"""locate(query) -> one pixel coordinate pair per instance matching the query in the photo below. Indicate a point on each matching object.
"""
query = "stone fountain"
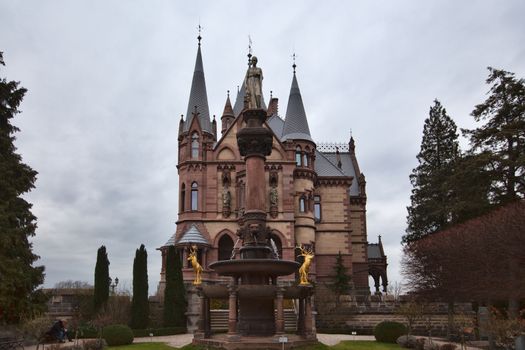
(256, 312)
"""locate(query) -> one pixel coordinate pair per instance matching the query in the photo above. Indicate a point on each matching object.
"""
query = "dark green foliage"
(117, 334)
(174, 294)
(500, 143)
(101, 293)
(341, 284)
(19, 296)
(433, 194)
(139, 303)
(388, 331)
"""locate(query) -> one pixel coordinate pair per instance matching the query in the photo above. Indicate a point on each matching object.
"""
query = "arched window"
(298, 156)
(194, 196)
(194, 145)
(317, 208)
(225, 247)
(305, 156)
(183, 197)
(302, 204)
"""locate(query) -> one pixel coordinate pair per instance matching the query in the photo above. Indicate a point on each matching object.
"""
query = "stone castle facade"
(316, 193)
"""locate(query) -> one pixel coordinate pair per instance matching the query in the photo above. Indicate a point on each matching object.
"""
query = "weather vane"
(249, 50)
(199, 28)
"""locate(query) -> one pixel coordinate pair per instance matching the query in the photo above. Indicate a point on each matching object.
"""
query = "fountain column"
(232, 315)
(279, 322)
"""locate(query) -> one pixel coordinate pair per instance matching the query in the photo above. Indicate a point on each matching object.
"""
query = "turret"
(227, 116)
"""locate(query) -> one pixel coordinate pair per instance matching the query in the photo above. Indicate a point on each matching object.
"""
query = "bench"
(8, 343)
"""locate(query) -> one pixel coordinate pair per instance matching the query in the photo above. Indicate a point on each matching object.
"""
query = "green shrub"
(117, 334)
(388, 332)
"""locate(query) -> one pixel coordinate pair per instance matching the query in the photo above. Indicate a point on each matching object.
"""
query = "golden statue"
(196, 266)
(305, 267)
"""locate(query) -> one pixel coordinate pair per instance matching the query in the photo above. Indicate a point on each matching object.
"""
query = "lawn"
(344, 345)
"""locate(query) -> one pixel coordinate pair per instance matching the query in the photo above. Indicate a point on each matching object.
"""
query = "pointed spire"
(228, 110)
(227, 116)
(198, 101)
(351, 145)
(295, 123)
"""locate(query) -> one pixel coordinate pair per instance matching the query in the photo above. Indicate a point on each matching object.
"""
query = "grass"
(344, 345)
(364, 345)
(142, 346)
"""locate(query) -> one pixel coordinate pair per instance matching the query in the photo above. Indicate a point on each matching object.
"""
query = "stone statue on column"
(253, 83)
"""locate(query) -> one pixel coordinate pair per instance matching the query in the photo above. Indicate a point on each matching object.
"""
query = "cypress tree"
(101, 292)
(139, 302)
(432, 196)
(500, 143)
(174, 293)
(19, 279)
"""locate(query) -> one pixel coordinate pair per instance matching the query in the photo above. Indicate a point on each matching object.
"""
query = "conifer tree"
(101, 292)
(432, 196)
(500, 143)
(174, 293)
(139, 303)
(341, 279)
(19, 279)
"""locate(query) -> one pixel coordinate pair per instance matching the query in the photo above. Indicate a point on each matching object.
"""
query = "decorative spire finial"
(294, 65)
(199, 37)
(271, 94)
(228, 91)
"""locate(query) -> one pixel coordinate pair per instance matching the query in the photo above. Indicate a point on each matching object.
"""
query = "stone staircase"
(219, 320)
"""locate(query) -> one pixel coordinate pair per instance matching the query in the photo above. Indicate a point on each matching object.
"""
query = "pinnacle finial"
(228, 91)
(199, 38)
(271, 94)
(294, 65)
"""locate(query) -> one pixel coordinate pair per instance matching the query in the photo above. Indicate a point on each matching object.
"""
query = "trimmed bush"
(388, 332)
(408, 341)
(117, 334)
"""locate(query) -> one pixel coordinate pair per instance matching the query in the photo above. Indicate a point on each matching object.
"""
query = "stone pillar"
(308, 319)
(232, 315)
(207, 319)
(300, 319)
(255, 143)
(279, 322)
(201, 323)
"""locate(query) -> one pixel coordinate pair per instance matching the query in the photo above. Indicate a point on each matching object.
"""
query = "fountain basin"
(266, 267)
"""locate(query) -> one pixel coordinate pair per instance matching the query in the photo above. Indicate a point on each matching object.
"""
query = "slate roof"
(198, 97)
(374, 251)
(347, 167)
(192, 235)
(324, 167)
(295, 122)
(276, 124)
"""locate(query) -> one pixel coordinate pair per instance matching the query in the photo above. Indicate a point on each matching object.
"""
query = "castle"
(316, 192)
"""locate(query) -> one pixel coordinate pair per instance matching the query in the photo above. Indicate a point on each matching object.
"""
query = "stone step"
(219, 320)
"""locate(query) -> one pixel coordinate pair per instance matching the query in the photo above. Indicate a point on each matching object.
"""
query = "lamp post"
(113, 285)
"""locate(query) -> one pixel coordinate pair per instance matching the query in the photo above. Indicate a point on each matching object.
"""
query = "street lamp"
(113, 285)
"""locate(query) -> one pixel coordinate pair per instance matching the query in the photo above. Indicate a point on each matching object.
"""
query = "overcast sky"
(108, 81)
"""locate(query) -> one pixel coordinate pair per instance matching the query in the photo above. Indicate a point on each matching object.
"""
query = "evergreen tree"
(19, 279)
(341, 284)
(500, 142)
(174, 293)
(431, 206)
(139, 303)
(101, 292)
